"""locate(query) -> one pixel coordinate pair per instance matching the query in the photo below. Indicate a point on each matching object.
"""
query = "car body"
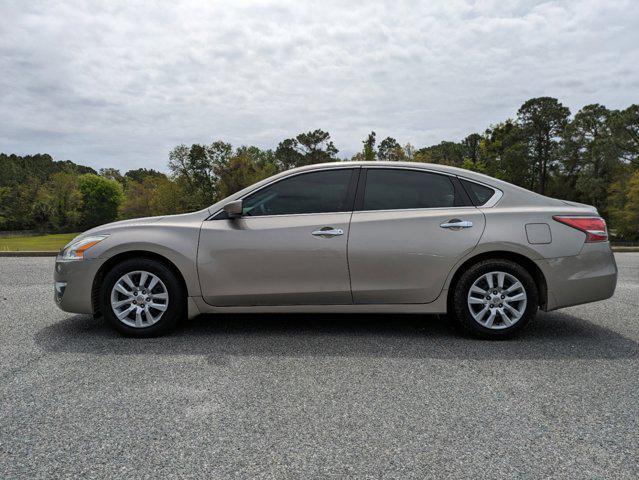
(389, 237)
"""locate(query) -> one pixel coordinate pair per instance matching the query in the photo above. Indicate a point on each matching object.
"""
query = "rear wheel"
(142, 298)
(494, 299)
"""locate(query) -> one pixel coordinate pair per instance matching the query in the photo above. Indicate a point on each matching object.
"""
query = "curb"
(625, 249)
(27, 253)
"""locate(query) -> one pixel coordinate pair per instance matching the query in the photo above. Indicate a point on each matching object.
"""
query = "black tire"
(461, 314)
(176, 307)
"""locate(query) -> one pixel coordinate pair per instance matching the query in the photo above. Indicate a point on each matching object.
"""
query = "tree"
(170, 197)
(624, 125)
(503, 152)
(249, 165)
(195, 168)
(287, 154)
(139, 174)
(306, 149)
(390, 150)
(101, 198)
(445, 153)
(64, 200)
(471, 147)
(624, 205)
(542, 121)
(112, 174)
(139, 198)
(409, 152)
(369, 148)
(591, 158)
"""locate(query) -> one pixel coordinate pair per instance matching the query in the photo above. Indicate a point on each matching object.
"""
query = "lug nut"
(501, 305)
(134, 302)
(502, 297)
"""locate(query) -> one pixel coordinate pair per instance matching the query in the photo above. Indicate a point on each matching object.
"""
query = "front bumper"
(74, 283)
(587, 277)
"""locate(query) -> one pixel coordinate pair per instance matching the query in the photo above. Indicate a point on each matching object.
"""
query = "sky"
(118, 84)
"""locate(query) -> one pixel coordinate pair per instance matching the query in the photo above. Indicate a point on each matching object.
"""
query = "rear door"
(408, 230)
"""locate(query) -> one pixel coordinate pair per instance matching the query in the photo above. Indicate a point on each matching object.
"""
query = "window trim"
(361, 190)
(492, 201)
(359, 187)
(350, 194)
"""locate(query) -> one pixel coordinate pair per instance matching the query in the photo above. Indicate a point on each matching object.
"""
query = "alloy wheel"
(497, 300)
(139, 299)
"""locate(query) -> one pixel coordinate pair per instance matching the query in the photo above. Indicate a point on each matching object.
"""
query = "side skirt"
(197, 305)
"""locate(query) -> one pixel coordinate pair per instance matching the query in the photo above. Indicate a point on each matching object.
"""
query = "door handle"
(328, 232)
(457, 224)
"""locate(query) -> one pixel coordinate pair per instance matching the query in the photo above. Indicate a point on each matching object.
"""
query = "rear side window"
(388, 189)
(479, 194)
(316, 192)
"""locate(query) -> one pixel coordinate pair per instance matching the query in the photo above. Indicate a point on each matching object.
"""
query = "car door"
(408, 229)
(287, 248)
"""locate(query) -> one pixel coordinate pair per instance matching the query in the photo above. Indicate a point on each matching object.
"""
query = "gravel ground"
(310, 396)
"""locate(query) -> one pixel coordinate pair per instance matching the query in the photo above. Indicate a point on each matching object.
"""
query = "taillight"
(593, 227)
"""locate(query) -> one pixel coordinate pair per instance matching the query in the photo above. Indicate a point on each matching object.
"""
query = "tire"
(510, 311)
(150, 313)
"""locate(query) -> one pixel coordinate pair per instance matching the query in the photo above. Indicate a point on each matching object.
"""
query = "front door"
(409, 230)
(288, 248)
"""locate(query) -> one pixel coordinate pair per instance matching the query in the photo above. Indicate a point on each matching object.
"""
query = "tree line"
(590, 157)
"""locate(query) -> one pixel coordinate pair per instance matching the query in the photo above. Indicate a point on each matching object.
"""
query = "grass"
(48, 243)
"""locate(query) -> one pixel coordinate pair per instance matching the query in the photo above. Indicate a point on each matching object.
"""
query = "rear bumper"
(587, 277)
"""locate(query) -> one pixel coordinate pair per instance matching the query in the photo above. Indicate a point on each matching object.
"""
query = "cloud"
(120, 83)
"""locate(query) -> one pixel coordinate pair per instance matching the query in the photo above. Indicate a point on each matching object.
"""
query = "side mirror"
(233, 209)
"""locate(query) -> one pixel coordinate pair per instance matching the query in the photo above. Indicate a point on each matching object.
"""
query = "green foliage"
(445, 153)
(139, 174)
(58, 204)
(390, 150)
(624, 205)
(101, 198)
(542, 121)
(112, 174)
(305, 149)
(247, 166)
(591, 158)
(369, 148)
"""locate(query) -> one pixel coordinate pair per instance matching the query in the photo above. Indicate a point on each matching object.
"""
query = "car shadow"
(550, 336)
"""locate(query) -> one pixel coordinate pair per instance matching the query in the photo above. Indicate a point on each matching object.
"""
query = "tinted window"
(315, 192)
(400, 189)
(479, 194)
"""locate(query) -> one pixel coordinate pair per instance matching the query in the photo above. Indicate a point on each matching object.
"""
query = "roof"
(420, 165)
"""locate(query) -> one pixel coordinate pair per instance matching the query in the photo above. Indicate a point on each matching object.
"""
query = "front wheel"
(142, 298)
(495, 299)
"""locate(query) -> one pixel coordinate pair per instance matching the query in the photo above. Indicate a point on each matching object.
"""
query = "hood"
(122, 223)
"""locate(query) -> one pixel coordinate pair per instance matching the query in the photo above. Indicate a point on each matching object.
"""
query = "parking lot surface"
(316, 396)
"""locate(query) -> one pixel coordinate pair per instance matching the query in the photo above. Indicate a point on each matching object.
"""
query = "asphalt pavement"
(316, 396)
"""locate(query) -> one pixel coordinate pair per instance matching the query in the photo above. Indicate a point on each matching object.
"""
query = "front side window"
(388, 189)
(315, 192)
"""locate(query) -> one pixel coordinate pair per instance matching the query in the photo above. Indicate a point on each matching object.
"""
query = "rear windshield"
(479, 194)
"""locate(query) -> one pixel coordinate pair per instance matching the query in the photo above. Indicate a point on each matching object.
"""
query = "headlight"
(75, 250)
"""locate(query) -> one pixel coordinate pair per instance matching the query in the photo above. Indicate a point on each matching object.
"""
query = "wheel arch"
(120, 257)
(524, 261)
